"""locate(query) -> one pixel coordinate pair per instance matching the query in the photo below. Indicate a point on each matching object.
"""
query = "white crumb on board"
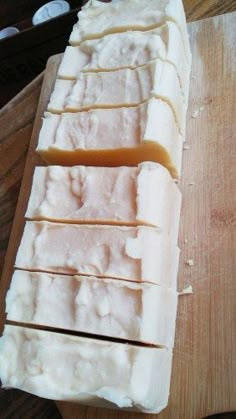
(190, 262)
(191, 183)
(197, 111)
(185, 240)
(187, 290)
(186, 147)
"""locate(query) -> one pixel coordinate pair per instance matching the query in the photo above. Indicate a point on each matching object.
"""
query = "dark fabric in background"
(24, 56)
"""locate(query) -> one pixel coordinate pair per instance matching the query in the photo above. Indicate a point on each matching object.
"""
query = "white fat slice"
(140, 254)
(107, 195)
(129, 49)
(113, 137)
(89, 371)
(97, 19)
(107, 307)
(120, 88)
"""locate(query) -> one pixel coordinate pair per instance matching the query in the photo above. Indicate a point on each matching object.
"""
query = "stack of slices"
(94, 292)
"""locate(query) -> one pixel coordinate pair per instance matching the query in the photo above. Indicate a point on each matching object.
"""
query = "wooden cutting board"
(204, 366)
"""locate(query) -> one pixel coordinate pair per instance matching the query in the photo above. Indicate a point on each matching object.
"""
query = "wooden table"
(200, 9)
(16, 122)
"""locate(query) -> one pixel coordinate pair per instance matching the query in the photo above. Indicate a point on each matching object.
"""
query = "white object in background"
(50, 10)
(7, 32)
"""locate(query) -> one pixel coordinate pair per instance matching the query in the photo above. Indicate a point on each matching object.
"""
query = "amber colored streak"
(91, 222)
(111, 158)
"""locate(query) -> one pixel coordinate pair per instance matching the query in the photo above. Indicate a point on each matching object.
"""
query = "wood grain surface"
(204, 370)
(16, 124)
(199, 9)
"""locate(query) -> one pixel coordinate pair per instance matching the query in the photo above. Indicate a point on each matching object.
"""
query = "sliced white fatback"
(140, 254)
(97, 19)
(125, 87)
(108, 307)
(113, 137)
(129, 49)
(107, 195)
(96, 372)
